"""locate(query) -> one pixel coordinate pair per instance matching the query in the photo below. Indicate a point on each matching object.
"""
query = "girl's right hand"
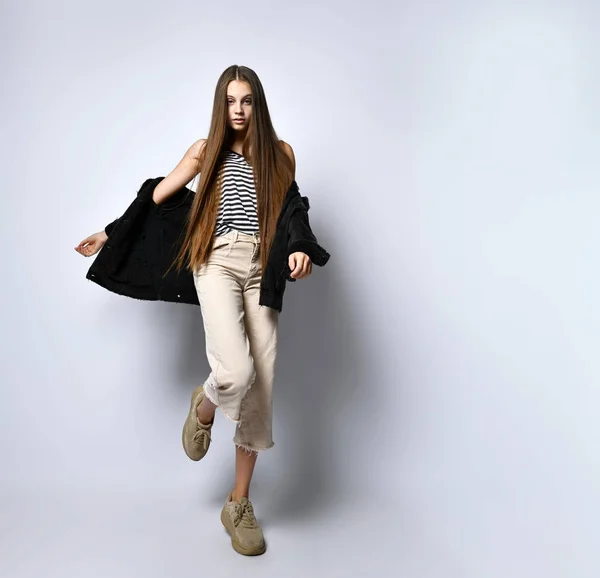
(92, 244)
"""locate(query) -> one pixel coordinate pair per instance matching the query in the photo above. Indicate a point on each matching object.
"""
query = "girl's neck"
(237, 146)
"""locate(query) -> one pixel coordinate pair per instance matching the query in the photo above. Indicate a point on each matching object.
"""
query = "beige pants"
(241, 337)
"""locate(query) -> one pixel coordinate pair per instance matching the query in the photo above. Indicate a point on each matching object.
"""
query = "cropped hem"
(248, 448)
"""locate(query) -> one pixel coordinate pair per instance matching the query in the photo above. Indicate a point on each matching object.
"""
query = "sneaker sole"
(191, 420)
(239, 548)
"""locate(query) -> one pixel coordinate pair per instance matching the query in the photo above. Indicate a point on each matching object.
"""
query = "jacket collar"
(293, 199)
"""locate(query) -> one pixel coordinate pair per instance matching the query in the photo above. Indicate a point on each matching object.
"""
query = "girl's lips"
(238, 120)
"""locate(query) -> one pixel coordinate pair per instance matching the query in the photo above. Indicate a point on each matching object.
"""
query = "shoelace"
(202, 437)
(244, 515)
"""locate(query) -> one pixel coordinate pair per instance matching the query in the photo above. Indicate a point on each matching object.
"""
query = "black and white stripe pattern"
(237, 206)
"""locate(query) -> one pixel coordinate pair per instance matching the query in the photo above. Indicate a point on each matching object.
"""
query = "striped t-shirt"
(237, 205)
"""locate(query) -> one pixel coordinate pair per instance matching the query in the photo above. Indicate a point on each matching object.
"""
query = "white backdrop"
(437, 391)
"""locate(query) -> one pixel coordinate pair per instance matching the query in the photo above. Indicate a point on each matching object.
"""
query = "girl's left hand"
(300, 264)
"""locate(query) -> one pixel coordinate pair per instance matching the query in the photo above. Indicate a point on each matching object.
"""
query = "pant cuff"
(250, 448)
(211, 393)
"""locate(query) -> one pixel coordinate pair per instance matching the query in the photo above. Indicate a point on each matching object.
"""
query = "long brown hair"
(272, 167)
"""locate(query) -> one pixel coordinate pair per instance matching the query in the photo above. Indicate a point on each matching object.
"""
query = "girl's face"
(239, 104)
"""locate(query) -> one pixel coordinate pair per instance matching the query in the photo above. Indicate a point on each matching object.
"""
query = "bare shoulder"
(195, 150)
(193, 154)
(288, 149)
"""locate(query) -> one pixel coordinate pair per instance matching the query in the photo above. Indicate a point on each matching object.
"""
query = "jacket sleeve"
(108, 229)
(302, 238)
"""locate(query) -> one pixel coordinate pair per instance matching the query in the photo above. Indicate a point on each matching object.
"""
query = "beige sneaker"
(239, 521)
(196, 435)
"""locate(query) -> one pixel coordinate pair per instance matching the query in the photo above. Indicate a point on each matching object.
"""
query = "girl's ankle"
(205, 420)
(237, 497)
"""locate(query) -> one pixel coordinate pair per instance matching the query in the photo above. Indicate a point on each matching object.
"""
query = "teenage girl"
(245, 172)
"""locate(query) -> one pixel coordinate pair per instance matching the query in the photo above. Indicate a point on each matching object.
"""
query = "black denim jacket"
(144, 241)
